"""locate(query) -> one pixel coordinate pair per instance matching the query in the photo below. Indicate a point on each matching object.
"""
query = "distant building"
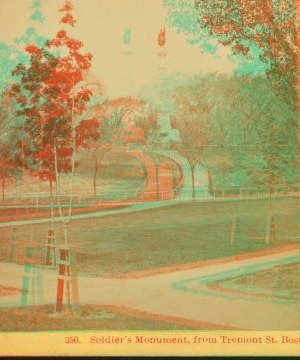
(133, 135)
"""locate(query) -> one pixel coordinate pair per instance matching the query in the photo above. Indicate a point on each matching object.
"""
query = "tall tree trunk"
(73, 162)
(209, 177)
(109, 171)
(270, 197)
(66, 219)
(193, 181)
(95, 176)
(3, 187)
(57, 182)
(17, 195)
(20, 187)
(157, 182)
(51, 193)
(298, 73)
(31, 216)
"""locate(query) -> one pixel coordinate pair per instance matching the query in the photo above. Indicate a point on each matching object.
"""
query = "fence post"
(50, 256)
(32, 278)
(15, 245)
(67, 283)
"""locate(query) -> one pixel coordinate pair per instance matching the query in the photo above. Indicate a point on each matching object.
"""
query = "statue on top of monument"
(162, 37)
(127, 35)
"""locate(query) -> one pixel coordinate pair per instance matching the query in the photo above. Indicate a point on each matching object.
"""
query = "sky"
(100, 26)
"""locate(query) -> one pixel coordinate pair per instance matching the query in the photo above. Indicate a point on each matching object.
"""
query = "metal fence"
(254, 191)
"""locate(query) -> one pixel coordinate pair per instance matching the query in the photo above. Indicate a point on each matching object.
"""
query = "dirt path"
(168, 295)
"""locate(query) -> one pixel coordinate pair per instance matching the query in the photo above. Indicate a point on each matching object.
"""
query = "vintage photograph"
(149, 172)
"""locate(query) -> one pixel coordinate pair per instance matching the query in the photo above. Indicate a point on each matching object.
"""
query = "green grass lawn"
(8, 214)
(280, 282)
(167, 236)
(116, 171)
(113, 165)
(91, 318)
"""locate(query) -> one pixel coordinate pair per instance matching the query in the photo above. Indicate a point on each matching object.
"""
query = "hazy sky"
(100, 26)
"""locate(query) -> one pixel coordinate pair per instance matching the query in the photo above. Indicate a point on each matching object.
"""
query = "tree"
(268, 123)
(256, 29)
(10, 154)
(33, 93)
(239, 110)
(88, 136)
(12, 125)
(101, 128)
(6, 165)
(10, 56)
(190, 126)
(201, 116)
(68, 100)
(89, 128)
(147, 120)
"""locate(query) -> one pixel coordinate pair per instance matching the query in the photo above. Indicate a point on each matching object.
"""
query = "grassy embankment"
(116, 171)
(172, 235)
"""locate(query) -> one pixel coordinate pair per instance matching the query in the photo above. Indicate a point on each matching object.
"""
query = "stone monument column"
(127, 61)
(165, 103)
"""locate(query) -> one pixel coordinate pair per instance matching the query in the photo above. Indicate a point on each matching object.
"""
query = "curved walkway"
(200, 176)
(160, 296)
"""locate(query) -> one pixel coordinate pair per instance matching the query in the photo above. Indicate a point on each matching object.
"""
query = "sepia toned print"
(149, 177)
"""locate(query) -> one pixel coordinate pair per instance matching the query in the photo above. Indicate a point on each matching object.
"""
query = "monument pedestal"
(166, 133)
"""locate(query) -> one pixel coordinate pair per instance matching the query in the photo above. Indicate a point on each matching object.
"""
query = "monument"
(127, 61)
(165, 103)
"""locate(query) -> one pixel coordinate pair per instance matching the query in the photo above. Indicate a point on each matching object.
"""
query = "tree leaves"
(37, 16)
(239, 111)
(245, 26)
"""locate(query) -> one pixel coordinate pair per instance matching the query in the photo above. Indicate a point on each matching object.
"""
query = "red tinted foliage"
(87, 131)
(32, 49)
(68, 19)
(67, 7)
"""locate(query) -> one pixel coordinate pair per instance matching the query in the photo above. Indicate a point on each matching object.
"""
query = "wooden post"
(50, 256)
(67, 284)
(268, 230)
(15, 245)
(272, 229)
(32, 279)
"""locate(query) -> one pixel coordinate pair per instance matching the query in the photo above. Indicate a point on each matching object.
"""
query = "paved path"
(160, 295)
(131, 207)
(200, 176)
